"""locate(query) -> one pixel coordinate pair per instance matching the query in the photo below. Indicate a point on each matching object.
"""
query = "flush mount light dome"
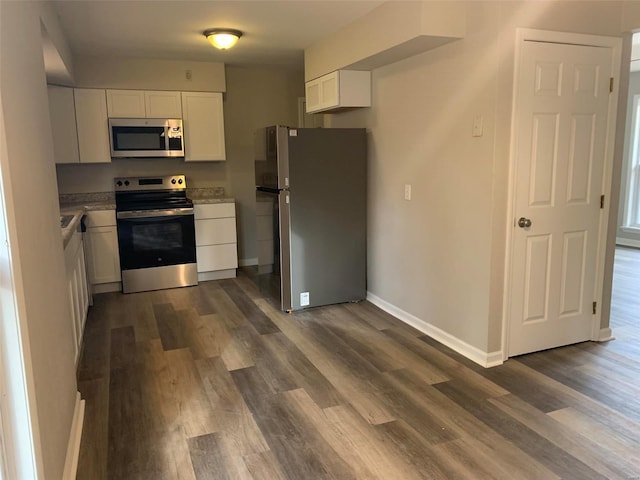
(222, 38)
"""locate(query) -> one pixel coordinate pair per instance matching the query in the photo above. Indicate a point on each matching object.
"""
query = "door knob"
(524, 222)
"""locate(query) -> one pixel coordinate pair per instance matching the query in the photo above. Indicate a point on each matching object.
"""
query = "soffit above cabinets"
(392, 32)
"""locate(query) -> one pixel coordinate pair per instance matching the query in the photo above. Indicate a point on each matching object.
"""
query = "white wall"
(30, 191)
(149, 74)
(440, 256)
(256, 97)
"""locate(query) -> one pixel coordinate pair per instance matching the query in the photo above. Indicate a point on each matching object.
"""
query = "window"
(631, 218)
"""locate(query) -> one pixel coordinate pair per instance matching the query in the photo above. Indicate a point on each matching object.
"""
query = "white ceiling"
(275, 32)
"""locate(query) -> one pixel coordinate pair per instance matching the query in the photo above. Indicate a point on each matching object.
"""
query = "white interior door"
(561, 128)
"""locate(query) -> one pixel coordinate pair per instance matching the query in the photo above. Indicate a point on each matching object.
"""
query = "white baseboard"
(484, 359)
(106, 287)
(217, 275)
(73, 448)
(247, 262)
(606, 334)
(627, 242)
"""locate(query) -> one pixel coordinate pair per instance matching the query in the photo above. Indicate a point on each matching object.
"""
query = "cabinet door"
(330, 90)
(103, 255)
(162, 104)
(203, 123)
(125, 103)
(217, 257)
(312, 95)
(214, 231)
(62, 114)
(92, 125)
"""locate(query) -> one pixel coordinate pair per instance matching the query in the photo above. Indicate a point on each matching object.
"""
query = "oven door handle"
(173, 212)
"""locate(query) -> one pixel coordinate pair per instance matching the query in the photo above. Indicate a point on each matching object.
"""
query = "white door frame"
(522, 35)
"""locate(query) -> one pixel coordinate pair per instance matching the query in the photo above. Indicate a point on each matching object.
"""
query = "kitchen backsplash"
(78, 198)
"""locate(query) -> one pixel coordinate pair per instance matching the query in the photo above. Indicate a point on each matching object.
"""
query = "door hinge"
(595, 304)
(610, 84)
(601, 201)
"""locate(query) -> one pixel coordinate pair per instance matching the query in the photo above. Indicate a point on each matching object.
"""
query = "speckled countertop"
(77, 204)
(208, 195)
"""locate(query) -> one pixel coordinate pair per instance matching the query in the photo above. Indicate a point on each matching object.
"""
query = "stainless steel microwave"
(146, 137)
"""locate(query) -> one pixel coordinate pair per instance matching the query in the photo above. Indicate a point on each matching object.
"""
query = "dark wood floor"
(212, 382)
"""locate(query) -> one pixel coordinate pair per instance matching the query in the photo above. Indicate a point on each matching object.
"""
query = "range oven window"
(157, 237)
(156, 241)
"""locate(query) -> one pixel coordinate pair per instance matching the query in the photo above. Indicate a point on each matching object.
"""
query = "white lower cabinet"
(103, 256)
(216, 240)
(77, 288)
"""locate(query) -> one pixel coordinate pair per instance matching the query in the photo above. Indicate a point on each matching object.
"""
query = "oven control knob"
(180, 181)
(173, 180)
(159, 259)
(119, 183)
(126, 183)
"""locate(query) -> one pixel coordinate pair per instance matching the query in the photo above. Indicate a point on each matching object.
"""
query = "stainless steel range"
(156, 233)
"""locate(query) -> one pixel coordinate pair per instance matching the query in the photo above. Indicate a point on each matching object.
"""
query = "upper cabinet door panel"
(125, 103)
(92, 125)
(62, 114)
(203, 123)
(339, 90)
(163, 104)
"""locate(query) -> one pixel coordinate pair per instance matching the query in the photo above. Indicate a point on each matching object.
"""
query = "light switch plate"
(407, 191)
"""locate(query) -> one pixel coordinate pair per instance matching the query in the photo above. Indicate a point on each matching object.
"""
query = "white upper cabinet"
(159, 104)
(92, 125)
(62, 114)
(125, 103)
(143, 104)
(337, 90)
(203, 123)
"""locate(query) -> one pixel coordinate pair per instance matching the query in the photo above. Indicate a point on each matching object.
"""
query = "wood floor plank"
(207, 458)
(170, 327)
(264, 466)
(450, 367)
(300, 451)
(306, 408)
(304, 373)
(619, 440)
(621, 400)
(92, 460)
(557, 460)
(373, 345)
(214, 381)
(341, 374)
(206, 335)
(578, 446)
(251, 312)
(406, 439)
(94, 361)
(188, 403)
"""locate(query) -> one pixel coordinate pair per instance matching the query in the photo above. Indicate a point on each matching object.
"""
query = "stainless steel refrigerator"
(311, 214)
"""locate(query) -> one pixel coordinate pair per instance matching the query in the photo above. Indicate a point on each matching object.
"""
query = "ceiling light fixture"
(222, 38)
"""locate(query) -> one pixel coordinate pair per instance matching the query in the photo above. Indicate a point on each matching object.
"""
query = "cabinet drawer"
(214, 210)
(214, 231)
(217, 257)
(100, 218)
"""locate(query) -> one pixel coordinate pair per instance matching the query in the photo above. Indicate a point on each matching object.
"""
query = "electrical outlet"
(188, 75)
(304, 299)
(407, 191)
